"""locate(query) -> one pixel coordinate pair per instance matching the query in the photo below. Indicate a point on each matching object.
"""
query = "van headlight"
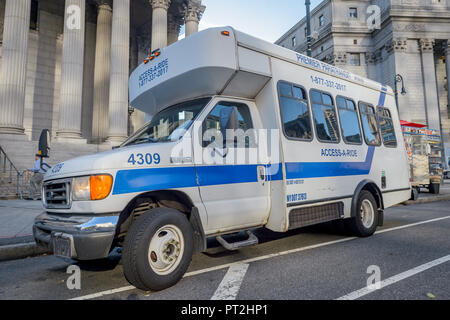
(88, 188)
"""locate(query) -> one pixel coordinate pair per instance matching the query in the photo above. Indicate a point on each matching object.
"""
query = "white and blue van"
(244, 134)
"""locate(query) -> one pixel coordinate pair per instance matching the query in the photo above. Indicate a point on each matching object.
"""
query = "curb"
(428, 200)
(20, 251)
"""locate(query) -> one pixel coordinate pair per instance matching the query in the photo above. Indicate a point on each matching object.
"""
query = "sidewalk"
(16, 220)
(17, 217)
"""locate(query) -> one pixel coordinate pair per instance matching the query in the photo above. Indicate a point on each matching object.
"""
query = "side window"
(294, 111)
(325, 117)
(387, 127)
(228, 116)
(369, 124)
(351, 131)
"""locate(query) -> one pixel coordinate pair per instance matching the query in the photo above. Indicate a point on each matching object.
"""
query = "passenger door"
(232, 174)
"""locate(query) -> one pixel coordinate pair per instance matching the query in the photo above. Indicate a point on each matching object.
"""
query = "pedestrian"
(38, 171)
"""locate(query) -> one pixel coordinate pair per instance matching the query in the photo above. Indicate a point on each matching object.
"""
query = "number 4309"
(148, 158)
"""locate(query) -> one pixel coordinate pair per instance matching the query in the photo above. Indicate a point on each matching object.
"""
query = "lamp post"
(308, 28)
(399, 78)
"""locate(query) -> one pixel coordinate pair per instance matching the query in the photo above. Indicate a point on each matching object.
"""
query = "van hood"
(110, 161)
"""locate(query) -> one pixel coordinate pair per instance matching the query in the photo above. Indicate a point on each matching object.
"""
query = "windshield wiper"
(144, 140)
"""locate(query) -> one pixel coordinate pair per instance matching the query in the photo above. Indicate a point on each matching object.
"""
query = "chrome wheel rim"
(367, 213)
(166, 249)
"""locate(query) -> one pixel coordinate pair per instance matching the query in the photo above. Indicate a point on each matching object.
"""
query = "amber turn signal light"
(100, 186)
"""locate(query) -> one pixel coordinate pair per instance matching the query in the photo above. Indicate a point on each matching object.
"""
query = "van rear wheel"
(365, 222)
(158, 249)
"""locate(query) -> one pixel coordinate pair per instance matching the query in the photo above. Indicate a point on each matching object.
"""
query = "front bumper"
(80, 237)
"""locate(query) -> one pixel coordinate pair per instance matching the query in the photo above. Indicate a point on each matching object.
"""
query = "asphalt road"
(412, 253)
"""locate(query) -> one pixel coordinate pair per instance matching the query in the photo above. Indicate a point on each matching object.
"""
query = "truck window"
(169, 124)
(387, 127)
(325, 117)
(294, 111)
(351, 131)
(369, 124)
(216, 122)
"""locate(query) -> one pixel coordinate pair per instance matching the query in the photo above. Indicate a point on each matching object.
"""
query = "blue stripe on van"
(150, 179)
(140, 180)
(226, 174)
(304, 170)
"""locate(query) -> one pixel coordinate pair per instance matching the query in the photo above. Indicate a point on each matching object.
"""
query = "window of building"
(321, 20)
(294, 42)
(34, 15)
(369, 124)
(387, 127)
(215, 124)
(325, 118)
(354, 59)
(294, 111)
(351, 131)
(353, 13)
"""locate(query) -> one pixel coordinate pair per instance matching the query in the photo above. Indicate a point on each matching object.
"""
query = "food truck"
(424, 150)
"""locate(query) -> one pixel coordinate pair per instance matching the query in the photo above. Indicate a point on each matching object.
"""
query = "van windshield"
(169, 124)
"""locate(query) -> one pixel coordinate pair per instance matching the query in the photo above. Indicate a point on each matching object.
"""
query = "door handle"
(262, 173)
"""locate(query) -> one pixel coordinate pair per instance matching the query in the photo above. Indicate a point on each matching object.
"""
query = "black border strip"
(396, 190)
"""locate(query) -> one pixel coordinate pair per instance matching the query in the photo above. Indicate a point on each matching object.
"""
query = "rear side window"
(351, 131)
(387, 127)
(294, 111)
(325, 118)
(369, 124)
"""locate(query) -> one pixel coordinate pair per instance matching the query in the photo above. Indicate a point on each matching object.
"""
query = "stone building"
(412, 39)
(65, 64)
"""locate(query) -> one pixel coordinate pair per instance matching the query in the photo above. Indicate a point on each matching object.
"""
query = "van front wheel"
(158, 249)
(365, 222)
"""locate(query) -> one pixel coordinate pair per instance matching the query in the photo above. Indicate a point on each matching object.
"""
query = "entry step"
(252, 240)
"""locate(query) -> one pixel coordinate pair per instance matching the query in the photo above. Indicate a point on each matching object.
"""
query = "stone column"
(72, 70)
(192, 15)
(447, 65)
(14, 65)
(173, 29)
(159, 23)
(120, 59)
(430, 86)
(100, 121)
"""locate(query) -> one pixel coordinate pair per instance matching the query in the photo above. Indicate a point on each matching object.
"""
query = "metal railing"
(13, 174)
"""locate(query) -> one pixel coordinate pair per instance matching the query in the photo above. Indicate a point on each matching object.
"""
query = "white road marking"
(272, 255)
(104, 293)
(231, 283)
(411, 225)
(401, 276)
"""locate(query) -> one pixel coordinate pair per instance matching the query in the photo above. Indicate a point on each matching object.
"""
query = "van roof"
(207, 63)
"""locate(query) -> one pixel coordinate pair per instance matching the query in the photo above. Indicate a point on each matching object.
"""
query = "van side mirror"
(44, 144)
(229, 120)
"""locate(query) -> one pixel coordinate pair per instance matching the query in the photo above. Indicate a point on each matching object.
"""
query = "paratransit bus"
(244, 134)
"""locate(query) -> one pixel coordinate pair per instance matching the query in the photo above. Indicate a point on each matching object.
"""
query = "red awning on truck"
(412, 124)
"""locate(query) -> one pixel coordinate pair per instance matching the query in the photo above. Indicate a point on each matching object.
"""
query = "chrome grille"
(57, 194)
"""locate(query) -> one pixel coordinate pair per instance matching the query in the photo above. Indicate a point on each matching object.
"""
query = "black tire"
(135, 256)
(434, 188)
(414, 194)
(355, 224)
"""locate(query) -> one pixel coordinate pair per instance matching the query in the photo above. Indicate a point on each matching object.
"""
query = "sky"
(265, 19)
